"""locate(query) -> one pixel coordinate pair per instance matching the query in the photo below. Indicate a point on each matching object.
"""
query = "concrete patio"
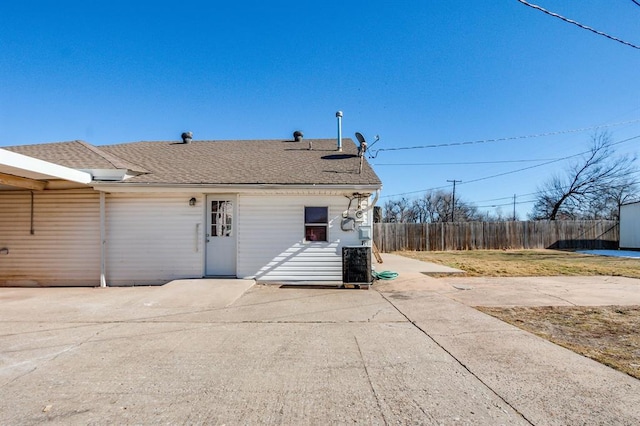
(230, 352)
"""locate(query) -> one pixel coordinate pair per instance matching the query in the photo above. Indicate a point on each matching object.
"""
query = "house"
(630, 226)
(145, 213)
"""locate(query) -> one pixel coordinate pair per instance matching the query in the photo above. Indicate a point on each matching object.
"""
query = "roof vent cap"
(187, 137)
(297, 136)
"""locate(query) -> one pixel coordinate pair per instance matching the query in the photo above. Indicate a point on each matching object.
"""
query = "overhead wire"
(463, 163)
(571, 21)
(506, 204)
(509, 172)
(374, 153)
(486, 177)
(533, 193)
(507, 198)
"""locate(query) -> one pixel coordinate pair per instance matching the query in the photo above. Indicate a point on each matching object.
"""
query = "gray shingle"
(278, 162)
(247, 162)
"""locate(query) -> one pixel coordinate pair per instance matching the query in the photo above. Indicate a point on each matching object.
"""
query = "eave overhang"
(229, 188)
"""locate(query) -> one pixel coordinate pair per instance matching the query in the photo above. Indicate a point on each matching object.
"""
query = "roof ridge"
(114, 160)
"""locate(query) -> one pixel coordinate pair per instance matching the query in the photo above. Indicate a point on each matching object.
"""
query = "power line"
(584, 27)
(506, 204)
(525, 168)
(534, 193)
(463, 163)
(506, 198)
(510, 172)
(374, 153)
(636, 2)
(488, 177)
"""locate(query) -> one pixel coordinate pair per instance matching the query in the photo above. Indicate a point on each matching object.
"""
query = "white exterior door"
(221, 235)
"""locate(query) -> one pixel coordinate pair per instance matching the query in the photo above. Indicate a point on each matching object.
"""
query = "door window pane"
(221, 218)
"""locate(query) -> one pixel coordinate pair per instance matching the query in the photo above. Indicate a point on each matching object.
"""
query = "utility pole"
(514, 207)
(453, 200)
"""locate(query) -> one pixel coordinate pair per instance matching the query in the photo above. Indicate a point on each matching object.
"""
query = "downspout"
(103, 241)
(373, 203)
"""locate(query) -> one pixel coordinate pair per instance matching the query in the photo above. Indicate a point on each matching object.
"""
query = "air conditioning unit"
(356, 265)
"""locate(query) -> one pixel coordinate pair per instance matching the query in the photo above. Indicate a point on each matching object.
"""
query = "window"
(221, 218)
(316, 223)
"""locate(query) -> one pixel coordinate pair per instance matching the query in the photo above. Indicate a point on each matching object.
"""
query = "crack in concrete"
(50, 357)
(82, 324)
(81, 343)
(375, 315)
(366, 370)
(463, 365)
(26, 373)
(555, 297)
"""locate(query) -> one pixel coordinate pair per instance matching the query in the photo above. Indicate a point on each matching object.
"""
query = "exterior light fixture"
(192, 201)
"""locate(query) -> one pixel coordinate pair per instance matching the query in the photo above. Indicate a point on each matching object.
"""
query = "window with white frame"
(316, 223)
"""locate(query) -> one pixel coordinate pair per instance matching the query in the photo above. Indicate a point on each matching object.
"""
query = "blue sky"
(416, 73)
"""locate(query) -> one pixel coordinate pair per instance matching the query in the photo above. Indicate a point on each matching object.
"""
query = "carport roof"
(22, 171)
(75, 154)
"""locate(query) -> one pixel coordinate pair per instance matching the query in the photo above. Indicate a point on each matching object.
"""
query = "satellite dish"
(363, 144)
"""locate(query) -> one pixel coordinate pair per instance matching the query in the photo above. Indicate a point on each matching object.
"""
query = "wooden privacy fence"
(558, 234)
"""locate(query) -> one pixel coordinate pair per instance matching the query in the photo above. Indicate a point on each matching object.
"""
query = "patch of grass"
(529, 263)
(607, 334)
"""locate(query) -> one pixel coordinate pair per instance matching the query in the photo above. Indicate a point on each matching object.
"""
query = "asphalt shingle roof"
(278, 162)
(75, 154)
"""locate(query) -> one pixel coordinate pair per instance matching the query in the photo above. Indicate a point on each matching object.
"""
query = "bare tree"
(432, 207)
(498, 215)
(397, 211)
(466, 212)
(587, 184)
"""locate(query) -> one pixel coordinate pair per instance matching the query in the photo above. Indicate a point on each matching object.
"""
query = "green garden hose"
(384, 275)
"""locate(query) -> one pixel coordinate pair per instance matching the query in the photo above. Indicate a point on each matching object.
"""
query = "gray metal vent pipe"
(339, 116)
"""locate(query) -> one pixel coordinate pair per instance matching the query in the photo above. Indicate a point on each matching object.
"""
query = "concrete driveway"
(230, 352)
(521, 291)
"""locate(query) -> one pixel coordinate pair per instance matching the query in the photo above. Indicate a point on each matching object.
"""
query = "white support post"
(103, 241)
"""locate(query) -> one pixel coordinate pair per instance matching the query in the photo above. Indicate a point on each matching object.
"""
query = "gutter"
(236, 188)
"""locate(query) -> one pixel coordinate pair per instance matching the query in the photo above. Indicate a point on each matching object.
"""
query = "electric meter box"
(364, 232)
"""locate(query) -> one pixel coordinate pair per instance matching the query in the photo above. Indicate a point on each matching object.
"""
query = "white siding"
(630, 226)
(153, 238)
(64, 249)
(271, 244)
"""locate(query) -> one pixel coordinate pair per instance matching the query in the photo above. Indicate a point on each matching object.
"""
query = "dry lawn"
(529, 263)
(608, 334)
